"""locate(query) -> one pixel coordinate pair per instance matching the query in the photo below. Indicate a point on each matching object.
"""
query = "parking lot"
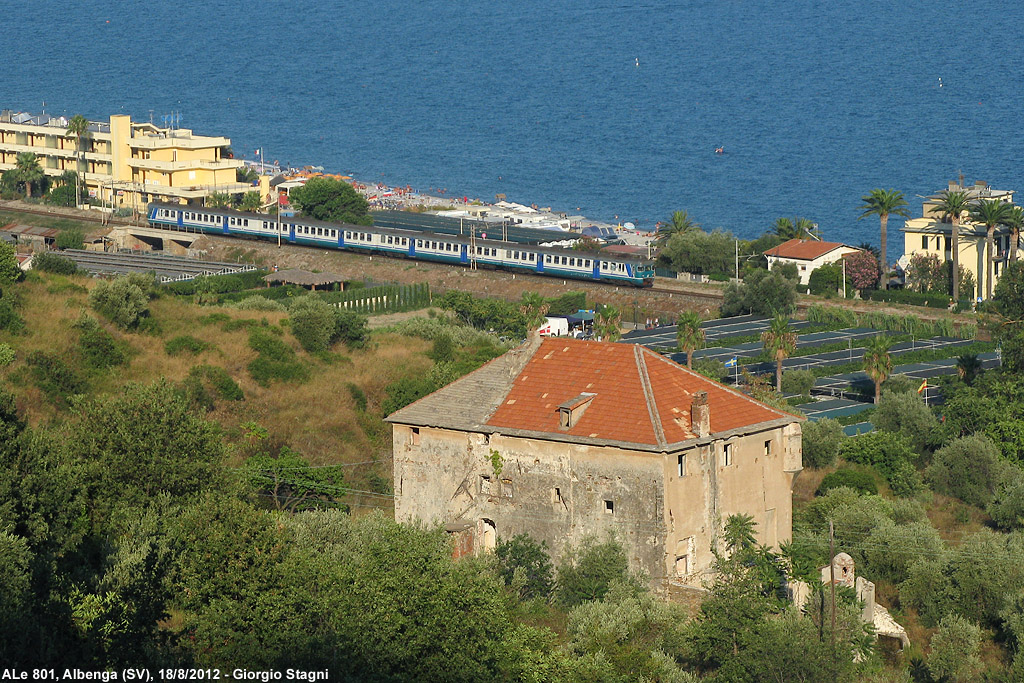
(839, 396)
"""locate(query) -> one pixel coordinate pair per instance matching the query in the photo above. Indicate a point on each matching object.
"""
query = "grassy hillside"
(319, 417)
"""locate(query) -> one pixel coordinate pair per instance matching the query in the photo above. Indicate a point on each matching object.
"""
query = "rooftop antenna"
(151, 116)
(44, 107)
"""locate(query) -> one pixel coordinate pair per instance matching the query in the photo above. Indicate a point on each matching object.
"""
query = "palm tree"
(883, 203)
(952, 204)
(534, 308)
(689, 334)
(806, 228)
(606, 325)
(784, 229)
(680, 223)
(878, 362)
(990, 213)
(79, 127)
(218, 200)
(29, 170)
(250, 201)
(779, 341)
(1014, 221)
(796, 228)
(967, 367)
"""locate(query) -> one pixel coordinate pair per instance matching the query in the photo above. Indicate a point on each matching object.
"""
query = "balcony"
(53, 152)
(172, 166)
(177, 141)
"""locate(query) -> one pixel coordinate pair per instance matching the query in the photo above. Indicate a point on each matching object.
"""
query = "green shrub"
(185, 343)
(121, 301)
(55, 377)
(798, 382)
(955, 651)
(312, 323)
(1007, 506)
(358, 396)
(350, 328)
(587, 572)
(891, 454)
(7, 354)
(907, 414)
(567, 304)
(901, 384)
(9, 318)
(858, 480)
(258, 303)
(214, 319)
(218, 284)
(443, 350)
(821, 442)
(276, 361)
(72, 238)
(972, 469)
(761, 293)
(265, 342)
(711, 368)
(98, 347)
(49, 262)
(266, 370)
(204, 381)
(525, 563)
(891, 549)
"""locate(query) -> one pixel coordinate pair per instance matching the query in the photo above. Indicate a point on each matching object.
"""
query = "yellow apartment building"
(930, 235)
(124, 164)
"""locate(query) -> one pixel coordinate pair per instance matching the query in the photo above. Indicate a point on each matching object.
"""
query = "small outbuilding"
(304, 278)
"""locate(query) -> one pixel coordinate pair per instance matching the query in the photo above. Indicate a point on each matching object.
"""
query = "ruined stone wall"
(755, 482)
(558, 493)
(561, 493)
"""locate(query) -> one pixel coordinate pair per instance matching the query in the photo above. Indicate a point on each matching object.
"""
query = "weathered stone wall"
(561, 493)
(755, 482)
(558, 493)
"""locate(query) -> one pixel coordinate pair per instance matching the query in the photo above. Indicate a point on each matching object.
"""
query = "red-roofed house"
(563, 439)
(807, 255)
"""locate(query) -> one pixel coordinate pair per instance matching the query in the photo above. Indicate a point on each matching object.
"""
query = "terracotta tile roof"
(807, 250)
(640, 396)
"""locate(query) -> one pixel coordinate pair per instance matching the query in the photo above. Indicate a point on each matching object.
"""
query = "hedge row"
(909, 324)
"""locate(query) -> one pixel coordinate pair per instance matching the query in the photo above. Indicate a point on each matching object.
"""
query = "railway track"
(701, 296)
(86, 218)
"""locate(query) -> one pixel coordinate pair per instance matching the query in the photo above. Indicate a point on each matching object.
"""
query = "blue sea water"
(815, 103)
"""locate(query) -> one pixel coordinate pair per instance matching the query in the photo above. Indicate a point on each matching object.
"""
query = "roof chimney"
(700, 414)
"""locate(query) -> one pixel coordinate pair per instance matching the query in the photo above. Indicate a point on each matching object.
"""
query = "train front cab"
(644, 272)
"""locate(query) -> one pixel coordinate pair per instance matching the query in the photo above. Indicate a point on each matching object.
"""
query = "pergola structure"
(304, 278)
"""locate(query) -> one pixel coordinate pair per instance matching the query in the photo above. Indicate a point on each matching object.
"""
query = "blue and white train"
(422, 246)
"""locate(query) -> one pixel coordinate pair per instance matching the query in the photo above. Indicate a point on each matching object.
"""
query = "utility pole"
(279, 219)
(832, 575)
(844, 276)
(737, 258)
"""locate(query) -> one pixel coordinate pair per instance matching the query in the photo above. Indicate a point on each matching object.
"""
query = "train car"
(423, 246)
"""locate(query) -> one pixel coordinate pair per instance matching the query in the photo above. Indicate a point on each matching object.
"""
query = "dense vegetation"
(166, 499)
